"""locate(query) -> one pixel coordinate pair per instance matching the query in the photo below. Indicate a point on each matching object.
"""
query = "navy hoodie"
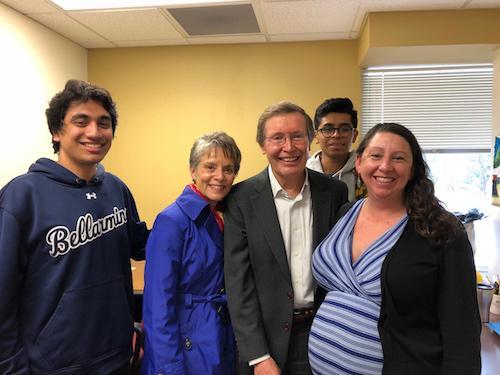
(65, 279)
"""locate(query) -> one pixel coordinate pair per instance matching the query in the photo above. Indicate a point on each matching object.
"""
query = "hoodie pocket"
(88, 323)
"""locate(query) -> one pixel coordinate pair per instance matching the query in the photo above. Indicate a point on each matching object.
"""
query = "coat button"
(286, 326)
(289, 295)
(187, 344)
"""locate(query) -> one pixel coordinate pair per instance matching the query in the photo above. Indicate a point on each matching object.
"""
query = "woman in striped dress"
(344, 337)
(399, 274)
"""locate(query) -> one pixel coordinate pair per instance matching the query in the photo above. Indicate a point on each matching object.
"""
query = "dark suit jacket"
(258, 281)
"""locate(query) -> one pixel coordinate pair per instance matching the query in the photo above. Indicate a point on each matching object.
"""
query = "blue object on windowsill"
(472, 215)
(495, 327)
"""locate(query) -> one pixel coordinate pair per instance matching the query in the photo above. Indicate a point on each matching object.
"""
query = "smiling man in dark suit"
(273, 222)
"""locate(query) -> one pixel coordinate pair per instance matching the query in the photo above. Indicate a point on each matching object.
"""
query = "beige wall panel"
(36, 63)
(389, 29)
(168, 96)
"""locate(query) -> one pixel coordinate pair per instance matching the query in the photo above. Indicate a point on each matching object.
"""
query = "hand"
(266, 367)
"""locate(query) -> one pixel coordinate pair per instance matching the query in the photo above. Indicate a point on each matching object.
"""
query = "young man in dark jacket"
(67, 233)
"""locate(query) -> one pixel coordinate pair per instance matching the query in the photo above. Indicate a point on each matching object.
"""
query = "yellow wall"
(364, 40)
(478, 26)
(168, 96)
(433, 37)
(36, 62)
(429, 37)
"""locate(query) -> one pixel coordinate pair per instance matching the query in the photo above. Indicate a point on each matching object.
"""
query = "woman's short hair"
(280, 109)
(211, 140)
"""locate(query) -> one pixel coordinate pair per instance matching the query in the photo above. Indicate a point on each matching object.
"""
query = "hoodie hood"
(346, 174)
(314, 163)
(57, 172)
(350, 164)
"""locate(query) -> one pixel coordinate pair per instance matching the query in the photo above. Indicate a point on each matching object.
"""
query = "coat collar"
(192, 204)
(198, 210)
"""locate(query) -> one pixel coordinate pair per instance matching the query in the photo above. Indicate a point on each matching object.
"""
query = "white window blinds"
(448, 108)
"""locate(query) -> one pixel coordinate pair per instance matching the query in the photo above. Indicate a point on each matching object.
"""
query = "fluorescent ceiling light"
(124, 4)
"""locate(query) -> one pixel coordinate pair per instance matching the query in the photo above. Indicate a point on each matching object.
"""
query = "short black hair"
(337, 105)
(76, 91)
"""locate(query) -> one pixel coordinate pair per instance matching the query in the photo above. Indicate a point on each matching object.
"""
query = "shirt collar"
(276, 188)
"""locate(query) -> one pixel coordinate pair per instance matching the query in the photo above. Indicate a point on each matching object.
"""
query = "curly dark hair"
(430, 219)
(76, 91)
(337, 105)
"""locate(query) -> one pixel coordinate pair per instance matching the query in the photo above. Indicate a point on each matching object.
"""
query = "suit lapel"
(321, 203)
(264, 207)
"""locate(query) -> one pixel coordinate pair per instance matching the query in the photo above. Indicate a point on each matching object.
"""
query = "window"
(449, 110)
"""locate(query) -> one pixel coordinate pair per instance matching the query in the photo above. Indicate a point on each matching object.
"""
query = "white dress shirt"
(296, 221)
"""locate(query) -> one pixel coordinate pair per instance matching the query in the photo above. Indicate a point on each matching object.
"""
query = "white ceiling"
(278, 20)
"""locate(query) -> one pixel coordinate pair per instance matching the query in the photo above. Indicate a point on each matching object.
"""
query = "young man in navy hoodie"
(67, 233)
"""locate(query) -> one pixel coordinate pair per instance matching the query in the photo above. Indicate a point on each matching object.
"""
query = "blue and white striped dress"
(344, 338)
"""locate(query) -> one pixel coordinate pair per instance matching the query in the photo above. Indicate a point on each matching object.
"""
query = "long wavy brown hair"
(430, 219)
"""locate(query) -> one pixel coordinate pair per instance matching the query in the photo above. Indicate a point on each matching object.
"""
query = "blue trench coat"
(184, 308)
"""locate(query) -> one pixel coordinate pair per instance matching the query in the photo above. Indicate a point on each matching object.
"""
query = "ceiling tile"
(142, 24)
(279, 20)
(309, 16)
(308, 37)
(397, 5)
(72, 30)
(214, 20)
(483, 4)
(149, 43)
(30, 6)
(228, 39)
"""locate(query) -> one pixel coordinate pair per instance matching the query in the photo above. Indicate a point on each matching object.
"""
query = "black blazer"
(258, 280)
(429, 320)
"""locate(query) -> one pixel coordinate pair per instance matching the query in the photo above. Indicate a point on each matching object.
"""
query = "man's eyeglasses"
(329, 131)
(280, 139)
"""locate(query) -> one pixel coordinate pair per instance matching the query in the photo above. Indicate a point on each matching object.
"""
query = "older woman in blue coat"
(184, 309)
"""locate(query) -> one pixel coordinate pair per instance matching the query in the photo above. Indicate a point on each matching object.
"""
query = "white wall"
(35, 63)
